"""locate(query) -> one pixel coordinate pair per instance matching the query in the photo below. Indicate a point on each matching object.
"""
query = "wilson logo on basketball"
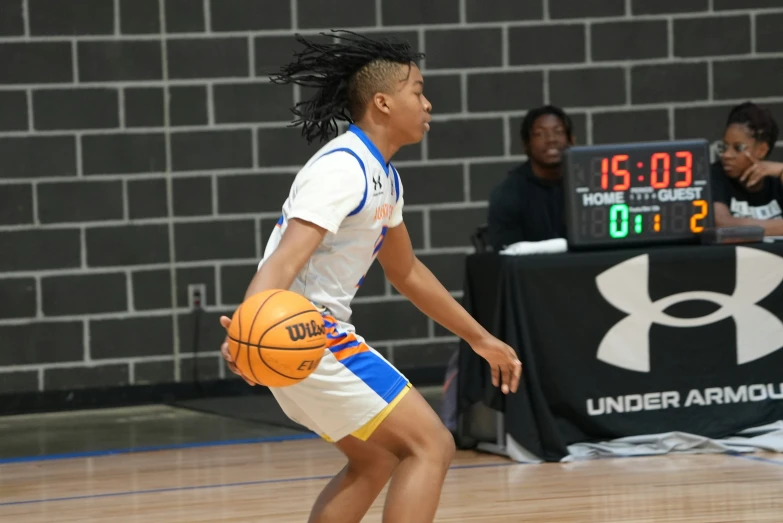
(301, 331)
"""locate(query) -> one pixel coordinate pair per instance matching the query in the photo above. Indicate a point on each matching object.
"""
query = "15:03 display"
(659, 175)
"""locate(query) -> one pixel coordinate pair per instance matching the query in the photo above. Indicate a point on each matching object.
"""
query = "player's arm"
(325, 196)
(415, 281)
(723, 218)
(297, 245)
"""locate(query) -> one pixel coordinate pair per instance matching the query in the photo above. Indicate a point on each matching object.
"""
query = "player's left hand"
(225, 321)
(756, 172)
(502, 359)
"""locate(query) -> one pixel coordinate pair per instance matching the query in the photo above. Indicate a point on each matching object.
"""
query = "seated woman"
(747, 189)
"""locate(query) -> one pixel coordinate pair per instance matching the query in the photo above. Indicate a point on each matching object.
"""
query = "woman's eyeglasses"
(739, 148)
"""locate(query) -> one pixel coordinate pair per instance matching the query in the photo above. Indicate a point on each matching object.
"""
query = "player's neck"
(379, 136)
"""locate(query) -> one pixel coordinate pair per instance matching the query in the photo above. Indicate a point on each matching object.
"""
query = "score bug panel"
(637, 193)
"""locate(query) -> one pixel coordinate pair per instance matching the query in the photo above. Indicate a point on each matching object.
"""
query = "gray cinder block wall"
(143, 150)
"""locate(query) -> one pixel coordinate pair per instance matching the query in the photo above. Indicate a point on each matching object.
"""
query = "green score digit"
(618, 220)
(637, 221)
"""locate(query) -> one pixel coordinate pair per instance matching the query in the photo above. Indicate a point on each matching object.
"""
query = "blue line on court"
(170, 489)
(219, 485)
(98, 453)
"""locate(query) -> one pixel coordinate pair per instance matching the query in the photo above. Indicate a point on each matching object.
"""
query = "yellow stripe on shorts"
(366, 431)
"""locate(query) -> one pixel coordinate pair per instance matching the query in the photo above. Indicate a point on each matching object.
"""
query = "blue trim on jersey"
(396, 184)
(381, 377)
(280, 220)
(361, 164)
(338, 348)
(370, 146)
(379, 241)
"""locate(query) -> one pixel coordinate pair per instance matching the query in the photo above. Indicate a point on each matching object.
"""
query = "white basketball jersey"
(347, 189)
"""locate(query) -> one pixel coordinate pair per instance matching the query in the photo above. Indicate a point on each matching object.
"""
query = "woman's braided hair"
(759, 120)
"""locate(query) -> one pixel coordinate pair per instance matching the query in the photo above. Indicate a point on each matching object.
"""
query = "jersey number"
(376, 250)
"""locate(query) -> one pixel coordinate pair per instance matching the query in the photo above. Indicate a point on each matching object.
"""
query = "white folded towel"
(542, 247)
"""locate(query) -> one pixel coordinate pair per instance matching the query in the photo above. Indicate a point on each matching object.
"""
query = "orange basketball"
(276, 338)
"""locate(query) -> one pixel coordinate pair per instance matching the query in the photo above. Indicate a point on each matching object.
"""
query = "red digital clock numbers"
(660, 171)
(626, 176)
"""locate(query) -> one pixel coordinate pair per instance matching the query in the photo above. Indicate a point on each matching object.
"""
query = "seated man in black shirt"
(528, 204)
(747, 189)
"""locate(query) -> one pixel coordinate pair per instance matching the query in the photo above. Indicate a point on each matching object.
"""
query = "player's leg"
(416, 436)
(406, 442)
(356, 392)
(349, 495)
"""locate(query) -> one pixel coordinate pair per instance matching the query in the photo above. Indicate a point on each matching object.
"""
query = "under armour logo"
(625, 286)
(376, 183)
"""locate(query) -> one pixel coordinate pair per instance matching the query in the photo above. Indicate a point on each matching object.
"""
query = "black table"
(630, 342)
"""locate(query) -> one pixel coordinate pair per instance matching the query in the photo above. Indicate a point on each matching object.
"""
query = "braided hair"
(758, 119)
(345, 74)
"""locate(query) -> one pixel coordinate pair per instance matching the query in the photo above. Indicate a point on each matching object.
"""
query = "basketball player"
(344, 210)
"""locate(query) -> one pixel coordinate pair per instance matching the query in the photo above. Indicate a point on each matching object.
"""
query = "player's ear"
(762, 149)
(381, 102)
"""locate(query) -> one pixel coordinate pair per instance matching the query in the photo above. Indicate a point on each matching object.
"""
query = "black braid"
(329, 68)
(759, 120)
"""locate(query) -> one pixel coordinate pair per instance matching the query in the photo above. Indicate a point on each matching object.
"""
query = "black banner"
(626, 343)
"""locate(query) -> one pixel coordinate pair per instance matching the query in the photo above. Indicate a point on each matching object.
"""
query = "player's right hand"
(503, 360)
(226, 322)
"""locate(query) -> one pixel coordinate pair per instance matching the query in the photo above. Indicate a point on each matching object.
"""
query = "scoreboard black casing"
(636, 194)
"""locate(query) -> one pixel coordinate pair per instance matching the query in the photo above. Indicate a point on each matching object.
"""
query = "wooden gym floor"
(277, 482)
